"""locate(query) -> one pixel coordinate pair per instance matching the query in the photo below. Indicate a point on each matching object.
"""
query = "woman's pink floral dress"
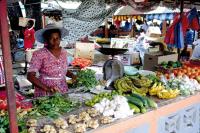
(51, 70)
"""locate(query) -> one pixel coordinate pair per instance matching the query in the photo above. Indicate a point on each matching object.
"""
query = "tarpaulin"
(87, 18)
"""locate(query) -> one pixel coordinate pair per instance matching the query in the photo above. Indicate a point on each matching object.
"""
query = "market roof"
(127, 10)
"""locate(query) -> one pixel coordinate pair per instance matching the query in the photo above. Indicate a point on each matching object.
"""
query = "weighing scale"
(112, 68)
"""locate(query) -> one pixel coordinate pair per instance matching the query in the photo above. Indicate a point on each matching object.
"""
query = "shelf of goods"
(140, 104)
(180, 115)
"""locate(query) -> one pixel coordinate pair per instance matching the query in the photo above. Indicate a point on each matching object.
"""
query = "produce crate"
(195, 62)
(165, 70)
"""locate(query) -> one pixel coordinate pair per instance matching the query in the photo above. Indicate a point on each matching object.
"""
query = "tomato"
(3, 105)
(184, 67)
(18, 104)
(180, 74)
(192, 76)
(184, 71)
(167, 75)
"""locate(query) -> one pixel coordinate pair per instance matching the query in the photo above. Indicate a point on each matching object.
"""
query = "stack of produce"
(53, 106)
(81, 62)
(140, 103)
(186, 85)
(103, 40)
(170, 64)
(23, 108)
(117, 108)
(137, 84)
(86, 78)
(74, 123)
(192, 71)
(158, 89)
(19, 101)
(99, 97)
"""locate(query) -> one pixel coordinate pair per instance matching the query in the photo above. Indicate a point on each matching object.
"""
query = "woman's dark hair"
(31, 22)
(47, 34)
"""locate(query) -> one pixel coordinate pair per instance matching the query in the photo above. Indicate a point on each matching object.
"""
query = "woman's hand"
(53, 89)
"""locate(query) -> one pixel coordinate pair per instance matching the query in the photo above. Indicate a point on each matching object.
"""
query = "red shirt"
(29, 38)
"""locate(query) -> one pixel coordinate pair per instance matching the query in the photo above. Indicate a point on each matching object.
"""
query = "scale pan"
(112, 51)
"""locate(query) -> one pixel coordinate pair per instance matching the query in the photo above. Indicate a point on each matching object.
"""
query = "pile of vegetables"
(171, 64)
(86, 78)
(19, 103)
(139, 103)
(81, 62)
(186, 85)
(117, 108)
(100, 96)
(53, 106)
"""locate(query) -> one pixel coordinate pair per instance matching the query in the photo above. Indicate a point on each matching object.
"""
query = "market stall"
(108, 95)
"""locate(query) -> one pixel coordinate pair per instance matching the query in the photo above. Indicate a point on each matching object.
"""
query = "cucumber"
(144, 100)
(134, 107)
(151, 102)
(143, 110)
(135, 101)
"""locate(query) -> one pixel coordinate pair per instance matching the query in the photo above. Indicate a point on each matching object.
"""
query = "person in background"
(189, 38)
(144, 26)
(134, 31)
(112, 29)
(127, 26)
(50, 62)
(196, 51)
(29, 33)
(29, 40)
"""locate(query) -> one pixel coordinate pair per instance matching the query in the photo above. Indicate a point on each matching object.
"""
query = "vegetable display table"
(181, 115)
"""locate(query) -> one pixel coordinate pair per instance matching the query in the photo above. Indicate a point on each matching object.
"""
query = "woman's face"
(54, 40)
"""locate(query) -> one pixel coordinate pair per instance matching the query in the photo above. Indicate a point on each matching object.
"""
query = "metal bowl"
(112, 51)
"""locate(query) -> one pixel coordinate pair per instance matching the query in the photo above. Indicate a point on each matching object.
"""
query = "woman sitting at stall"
(50, 62)
(196, 51)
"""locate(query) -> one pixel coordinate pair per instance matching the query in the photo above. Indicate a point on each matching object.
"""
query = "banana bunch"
(140, 91)
(168, 94)
(141, 81)
(156, 88)
(125, 84)
(102, 40)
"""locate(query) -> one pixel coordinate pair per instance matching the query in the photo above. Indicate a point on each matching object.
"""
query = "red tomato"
(3, 105)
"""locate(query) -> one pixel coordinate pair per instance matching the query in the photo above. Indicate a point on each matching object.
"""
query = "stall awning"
(163, 16)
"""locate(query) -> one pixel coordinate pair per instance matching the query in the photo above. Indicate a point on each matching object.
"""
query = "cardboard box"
(23, 21)
(129, 59)
(152, 59)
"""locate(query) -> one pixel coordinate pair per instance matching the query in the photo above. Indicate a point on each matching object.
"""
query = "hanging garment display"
(193, 18)
(177, 31)
(89, 15)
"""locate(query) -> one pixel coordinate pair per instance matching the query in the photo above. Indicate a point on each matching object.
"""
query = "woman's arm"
(31, 76)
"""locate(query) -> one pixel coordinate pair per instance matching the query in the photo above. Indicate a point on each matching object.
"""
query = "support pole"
(181, 13)
(106, 28)
(11, 100)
